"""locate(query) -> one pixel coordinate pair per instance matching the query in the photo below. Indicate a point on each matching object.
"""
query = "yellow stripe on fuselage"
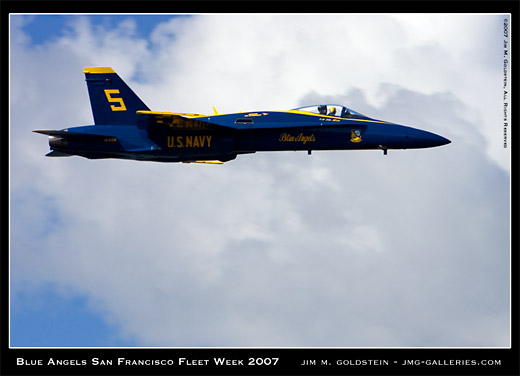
(166, 113)
(195, 116)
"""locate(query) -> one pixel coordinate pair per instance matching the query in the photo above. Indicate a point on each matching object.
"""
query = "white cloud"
(273, 249)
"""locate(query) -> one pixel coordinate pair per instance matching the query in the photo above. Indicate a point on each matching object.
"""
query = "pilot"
(322, 110)
(332, 111)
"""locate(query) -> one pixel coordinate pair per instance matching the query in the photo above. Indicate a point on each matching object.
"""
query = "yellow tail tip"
(98, 70)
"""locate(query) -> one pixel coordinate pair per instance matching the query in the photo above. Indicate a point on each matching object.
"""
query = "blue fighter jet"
(125, 128)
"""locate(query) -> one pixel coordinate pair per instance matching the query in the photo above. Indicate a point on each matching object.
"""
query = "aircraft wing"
(52, 133)
(171, 120)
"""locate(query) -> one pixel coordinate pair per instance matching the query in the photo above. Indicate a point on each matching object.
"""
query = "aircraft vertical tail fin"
(112, 101)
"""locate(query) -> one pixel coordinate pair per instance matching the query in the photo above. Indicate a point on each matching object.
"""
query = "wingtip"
(205, 162)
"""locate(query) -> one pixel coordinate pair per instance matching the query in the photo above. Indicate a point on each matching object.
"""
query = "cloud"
(274, 249)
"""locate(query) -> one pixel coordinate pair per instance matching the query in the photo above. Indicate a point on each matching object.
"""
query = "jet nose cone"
(425, 139)
(441, 140)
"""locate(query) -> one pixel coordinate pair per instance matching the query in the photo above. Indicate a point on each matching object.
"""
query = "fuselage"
(210, 137)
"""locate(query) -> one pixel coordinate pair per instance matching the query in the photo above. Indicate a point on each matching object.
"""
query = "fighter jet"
(125, 128)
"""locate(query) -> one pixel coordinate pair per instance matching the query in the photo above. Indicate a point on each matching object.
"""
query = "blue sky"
(46, 318)
(120, 253)
(46, 28)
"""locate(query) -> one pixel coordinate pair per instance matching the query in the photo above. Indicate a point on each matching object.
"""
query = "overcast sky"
(347, 249)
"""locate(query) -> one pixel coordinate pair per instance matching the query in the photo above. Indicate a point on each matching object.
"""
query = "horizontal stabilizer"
(52, 133)
(55, 153)
(73, 135)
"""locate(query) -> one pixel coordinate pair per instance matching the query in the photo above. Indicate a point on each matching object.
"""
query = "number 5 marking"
(121, 106)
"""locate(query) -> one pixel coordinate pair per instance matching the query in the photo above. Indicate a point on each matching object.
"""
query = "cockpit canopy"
(331, 110)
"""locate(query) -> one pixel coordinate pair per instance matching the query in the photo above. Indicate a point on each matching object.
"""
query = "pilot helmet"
(333, 110)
